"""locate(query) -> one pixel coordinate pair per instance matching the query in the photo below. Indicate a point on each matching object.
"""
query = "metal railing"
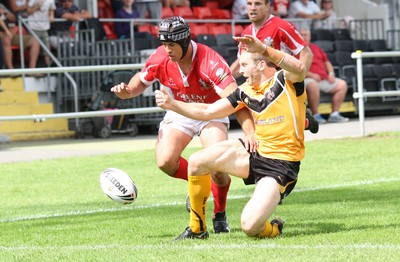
(360, 94)
(49, 53)
(50, 70)
(65, 70)
(367, 29)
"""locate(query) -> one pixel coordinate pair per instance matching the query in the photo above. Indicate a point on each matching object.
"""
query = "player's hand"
(250, 143)
(122, 91)
(163, 99)
(250, 43)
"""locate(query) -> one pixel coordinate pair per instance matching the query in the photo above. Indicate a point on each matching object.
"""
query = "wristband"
(275, 56)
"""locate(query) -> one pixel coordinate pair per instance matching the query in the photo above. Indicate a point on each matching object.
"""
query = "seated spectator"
(40, 15)
(3, 27)
(331, 21)
(308, 10)
(18, 7)
(321, 77)
(116, 5)
(9, 39)
(239, 9)
(280, 8)
(67, 10)
(123, 29)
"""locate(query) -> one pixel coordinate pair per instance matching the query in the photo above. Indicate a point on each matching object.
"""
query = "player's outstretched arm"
(295, 69)
(198, 111)
(133, 89)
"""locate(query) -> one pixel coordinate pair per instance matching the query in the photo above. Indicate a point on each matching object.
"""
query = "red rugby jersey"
(209, 76)
(279, 34)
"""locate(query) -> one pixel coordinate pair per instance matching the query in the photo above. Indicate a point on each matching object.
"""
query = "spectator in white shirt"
(40, 15)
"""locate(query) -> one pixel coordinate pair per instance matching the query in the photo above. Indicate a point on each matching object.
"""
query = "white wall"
(368, 9)
(354, 8)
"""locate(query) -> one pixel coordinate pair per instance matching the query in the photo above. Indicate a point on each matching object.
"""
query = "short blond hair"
(259, 57)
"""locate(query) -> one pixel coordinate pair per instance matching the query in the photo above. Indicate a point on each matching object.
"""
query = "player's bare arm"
(295, 70)
(197, 111)
(133, 89)
(306, 57)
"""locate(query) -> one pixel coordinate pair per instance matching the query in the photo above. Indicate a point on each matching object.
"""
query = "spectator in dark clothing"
(123, 29)
(116, 5)
(67, 10)
(18, 8)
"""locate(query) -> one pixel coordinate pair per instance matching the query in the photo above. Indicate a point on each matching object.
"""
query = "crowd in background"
(46, 11)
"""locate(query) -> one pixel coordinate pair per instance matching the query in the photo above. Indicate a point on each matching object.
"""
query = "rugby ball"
(118, 186)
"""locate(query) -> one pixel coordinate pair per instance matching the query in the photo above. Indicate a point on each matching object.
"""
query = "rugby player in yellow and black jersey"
(277, 101)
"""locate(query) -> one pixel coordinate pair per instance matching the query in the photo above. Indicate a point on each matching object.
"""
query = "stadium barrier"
(362, 28)
(76, 115)
(42, 117)
(361, 94)
(393, 39)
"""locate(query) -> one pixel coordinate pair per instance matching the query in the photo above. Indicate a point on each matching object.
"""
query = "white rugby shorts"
(187, 125)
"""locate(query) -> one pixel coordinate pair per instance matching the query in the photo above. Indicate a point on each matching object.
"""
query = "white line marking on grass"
(103, 210)
(357, 183)
(245, 246)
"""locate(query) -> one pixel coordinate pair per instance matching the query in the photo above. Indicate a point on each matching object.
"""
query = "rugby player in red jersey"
(189, 72)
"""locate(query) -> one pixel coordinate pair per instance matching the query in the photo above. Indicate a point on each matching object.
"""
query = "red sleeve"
(289, 35)
(150, 72)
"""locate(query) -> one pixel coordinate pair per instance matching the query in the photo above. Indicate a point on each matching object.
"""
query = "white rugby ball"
(118, 186)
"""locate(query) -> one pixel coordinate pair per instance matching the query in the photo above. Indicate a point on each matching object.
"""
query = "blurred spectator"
(331, 21)
(116, 5)
(128, 11)
(40, 15)
(67, 10)
(18, 7)
(280, 8)
(151, 7)
(306, 9)
(239, 9)
(321, 77)
(9, 39)
(3, 27)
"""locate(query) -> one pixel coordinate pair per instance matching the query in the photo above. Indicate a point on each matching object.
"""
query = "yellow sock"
(199, 191)
(270, 231)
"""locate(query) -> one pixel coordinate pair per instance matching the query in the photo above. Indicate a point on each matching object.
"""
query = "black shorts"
(284, 172)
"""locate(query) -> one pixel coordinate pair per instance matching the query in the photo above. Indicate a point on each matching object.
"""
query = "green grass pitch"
(345, 207)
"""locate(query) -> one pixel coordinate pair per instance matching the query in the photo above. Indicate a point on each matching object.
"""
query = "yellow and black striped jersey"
(279, 108)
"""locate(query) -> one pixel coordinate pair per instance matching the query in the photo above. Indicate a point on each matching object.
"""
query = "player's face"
(249, 68)
(174, 50)
(257, 10)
